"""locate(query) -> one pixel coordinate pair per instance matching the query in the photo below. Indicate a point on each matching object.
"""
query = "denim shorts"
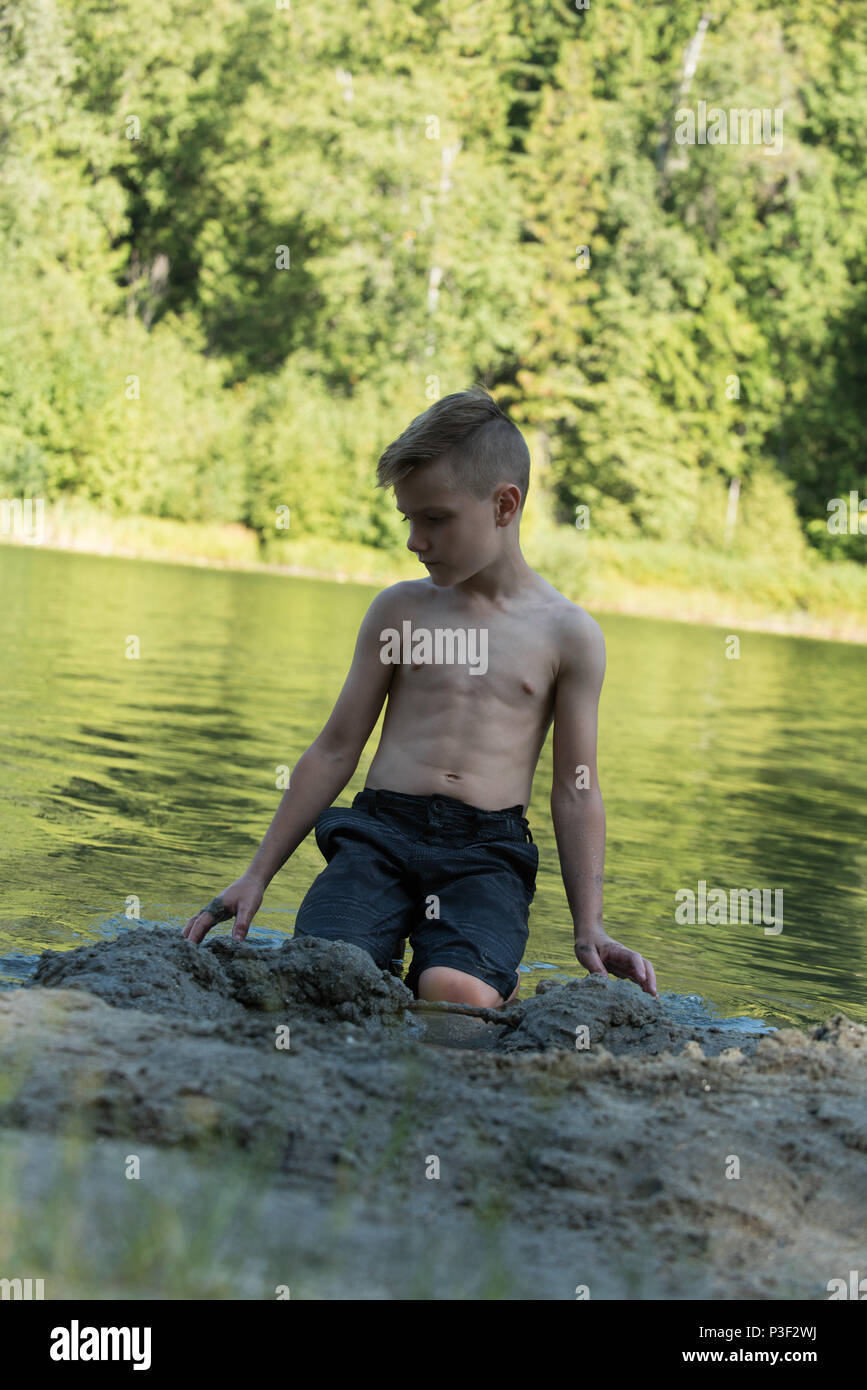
(454, 880)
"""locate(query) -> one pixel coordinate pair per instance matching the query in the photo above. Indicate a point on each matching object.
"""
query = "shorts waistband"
(451, 808)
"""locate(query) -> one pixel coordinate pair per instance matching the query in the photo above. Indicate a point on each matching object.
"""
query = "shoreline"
(666, 602)
(282, 1156)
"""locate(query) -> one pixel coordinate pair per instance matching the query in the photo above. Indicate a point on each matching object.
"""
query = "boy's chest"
(500, 661)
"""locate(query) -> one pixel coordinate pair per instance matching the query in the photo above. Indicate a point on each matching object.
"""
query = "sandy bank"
(601, 1165)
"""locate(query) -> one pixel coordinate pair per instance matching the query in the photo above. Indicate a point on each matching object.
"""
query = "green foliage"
(242, 246)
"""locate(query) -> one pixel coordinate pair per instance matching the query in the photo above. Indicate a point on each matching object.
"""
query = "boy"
(476, 659)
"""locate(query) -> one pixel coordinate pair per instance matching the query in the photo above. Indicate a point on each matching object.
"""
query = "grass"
(212, 1220)
(767, 592)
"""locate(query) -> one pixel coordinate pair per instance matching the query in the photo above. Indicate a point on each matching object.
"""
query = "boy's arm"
(327, 765)
(319, 775)
(577, 809)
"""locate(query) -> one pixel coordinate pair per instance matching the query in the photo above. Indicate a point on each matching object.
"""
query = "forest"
(243, 244)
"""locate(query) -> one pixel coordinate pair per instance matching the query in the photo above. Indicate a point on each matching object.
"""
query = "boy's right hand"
(241, 900)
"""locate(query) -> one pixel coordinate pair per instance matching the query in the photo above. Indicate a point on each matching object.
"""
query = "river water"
(142, 784)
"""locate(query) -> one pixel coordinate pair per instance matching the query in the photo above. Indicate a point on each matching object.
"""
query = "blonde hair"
(472, 435)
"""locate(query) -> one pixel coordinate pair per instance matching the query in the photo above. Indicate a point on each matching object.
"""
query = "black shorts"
(455, 880)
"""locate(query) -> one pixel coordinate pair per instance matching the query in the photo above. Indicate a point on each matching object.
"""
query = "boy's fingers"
(629, 965)
(592, 961)
(201, 927)
(217, 910)
(625, 964)
(640, 970)
(621, 961)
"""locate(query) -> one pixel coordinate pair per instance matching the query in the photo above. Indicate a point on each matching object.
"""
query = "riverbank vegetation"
(241, 246)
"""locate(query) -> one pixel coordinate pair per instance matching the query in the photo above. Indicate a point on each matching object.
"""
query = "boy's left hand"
(602, 956)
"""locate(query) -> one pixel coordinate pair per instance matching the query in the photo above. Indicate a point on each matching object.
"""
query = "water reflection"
(153, 780)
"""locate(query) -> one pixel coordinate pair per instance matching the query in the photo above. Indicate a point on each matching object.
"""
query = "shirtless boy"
(437, 848)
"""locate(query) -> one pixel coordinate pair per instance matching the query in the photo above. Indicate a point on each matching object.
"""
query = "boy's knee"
(442, 982)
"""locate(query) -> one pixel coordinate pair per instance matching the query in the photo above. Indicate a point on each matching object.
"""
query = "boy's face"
(453, 533)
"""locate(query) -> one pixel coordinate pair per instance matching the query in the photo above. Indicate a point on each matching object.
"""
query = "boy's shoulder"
(393, 604)
(397, 595)
(570, 627)
(572, 621)
(579, 638)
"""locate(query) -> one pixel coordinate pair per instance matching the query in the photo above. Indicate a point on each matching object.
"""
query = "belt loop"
(529, 835)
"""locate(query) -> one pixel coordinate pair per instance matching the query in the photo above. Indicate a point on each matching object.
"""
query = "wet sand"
(404, 1152)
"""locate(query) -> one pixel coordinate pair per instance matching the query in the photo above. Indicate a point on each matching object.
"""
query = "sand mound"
(158, 971)
(611, 1165)
(583, 1015)
(321, 982)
